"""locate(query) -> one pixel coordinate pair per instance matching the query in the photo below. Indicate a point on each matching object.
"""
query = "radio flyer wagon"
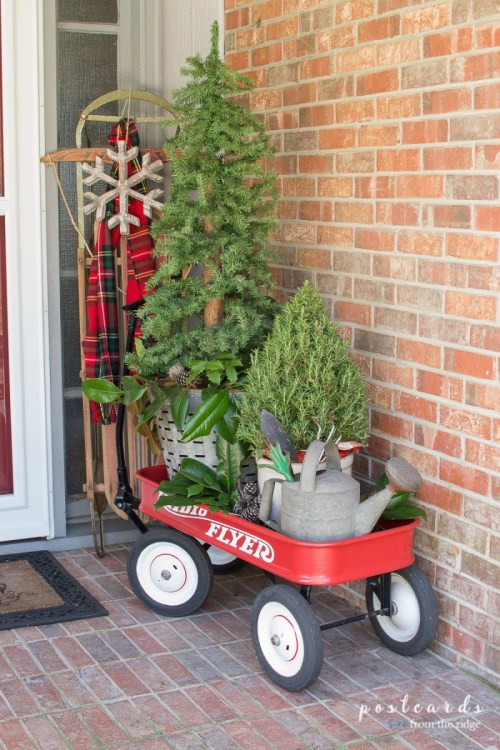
(171, 569)
(171, 572)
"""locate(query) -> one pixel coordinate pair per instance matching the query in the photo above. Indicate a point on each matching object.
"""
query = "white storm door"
(25, 499)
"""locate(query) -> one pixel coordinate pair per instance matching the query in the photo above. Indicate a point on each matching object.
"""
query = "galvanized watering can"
(325, 506)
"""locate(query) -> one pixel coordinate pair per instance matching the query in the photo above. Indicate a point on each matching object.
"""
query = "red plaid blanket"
(101, 346)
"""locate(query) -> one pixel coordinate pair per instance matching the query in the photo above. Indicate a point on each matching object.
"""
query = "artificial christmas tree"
(209, 294)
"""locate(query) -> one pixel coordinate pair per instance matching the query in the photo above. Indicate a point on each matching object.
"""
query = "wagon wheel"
(169, 572)
(286, 637)
(223, 562)
(413, 621)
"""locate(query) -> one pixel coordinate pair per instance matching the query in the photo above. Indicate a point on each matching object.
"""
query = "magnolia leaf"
(231, 374)
(102, 391)
(231, 456)
(402, 512)
(227, 427)
(132, 390)
(150, 411)
(179, 405)
(198, 473)
(399, 498)
(206, 416)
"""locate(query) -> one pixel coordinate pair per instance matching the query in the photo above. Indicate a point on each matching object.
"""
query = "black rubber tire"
(413, 622)
(281, 612)
(167, 552)
(223, 568)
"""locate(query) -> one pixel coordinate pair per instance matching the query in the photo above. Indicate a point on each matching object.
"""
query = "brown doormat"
(36, 590)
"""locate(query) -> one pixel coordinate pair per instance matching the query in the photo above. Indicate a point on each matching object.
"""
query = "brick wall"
(386, 119)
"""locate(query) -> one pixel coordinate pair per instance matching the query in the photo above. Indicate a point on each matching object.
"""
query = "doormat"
(36, 590)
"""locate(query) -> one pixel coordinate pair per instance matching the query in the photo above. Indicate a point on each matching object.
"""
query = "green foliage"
(222, 367)
(218, 216)
(197, 483)
(303, 372)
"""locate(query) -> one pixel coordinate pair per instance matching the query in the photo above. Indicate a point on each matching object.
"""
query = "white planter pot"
(263, 474)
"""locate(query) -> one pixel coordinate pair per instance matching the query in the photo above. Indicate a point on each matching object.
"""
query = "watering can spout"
(402, 478)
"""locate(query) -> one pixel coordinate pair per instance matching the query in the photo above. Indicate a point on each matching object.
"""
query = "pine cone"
(176, 372)
(248, 504)
(249, 491)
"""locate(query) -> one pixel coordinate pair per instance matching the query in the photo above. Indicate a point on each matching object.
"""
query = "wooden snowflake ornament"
(122, 187)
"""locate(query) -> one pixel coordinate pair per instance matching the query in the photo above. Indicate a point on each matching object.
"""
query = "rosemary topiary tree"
(209, 293)
(303, 372)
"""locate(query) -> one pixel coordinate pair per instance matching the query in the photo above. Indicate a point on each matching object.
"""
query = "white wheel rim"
(280, 639)
(167, 573)
(220, 556)
(404, 622)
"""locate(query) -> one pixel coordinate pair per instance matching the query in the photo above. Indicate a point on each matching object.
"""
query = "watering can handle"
(333, 457)
(309, 466)
(267, 499)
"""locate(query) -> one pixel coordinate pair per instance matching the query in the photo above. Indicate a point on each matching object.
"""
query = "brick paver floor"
(136, 681)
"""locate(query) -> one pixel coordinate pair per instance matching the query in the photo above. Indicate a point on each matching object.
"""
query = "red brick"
(448, 42)
(440, 385)
(488, 36)
(424, 19)
(352, 312)
(392, 425)
(370, 341)
(378, 135)
(447, 159)
(488, 218)
(460, 420)
(453, 216)
(398, 160)
(395, 266)
(354, 213)
(315, 211)
(399, 107)
(377, 83)
(266, 10)
(483, 455)
(375, 239)
(423, 74)
(311, 117)
(416, 406)
(389, 372)
(339, 237)
(474, 127)
(472, 247)
(473, 306)
(441, 497)
(475, 68)
(472, 187)
(286, 27)
(317, 67)
(262, 100)
(236, 19)
(469, 363)
(374, 291)
(351, 10)
(398, 214)
(485, 337)
(438, 440)
(420, 243)
(483, 396)
(359, 58)
(314, 259)
(355, 161)
(301, 187)
(420, 298)
(484, 277)
(335, 38)
(374, 187)
(379, 396)
(487, 97)
(380, 28)
(418, 351)
(480, 568)
(397, 52)
(238, 60)
(336, 138)
(442, 273)
(464, 476)
(446, 100)
(420, 186)
(335, 187)
(300, 94)
(357, 111)
(302, 234)
(336, 87)
(425, 131)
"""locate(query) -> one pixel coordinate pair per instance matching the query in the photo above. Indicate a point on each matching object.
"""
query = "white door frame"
(28, 512)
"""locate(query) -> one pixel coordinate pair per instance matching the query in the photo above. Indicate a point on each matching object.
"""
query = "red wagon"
(171, 570)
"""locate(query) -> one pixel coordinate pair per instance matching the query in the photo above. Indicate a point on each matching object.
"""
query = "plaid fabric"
(101, 344)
